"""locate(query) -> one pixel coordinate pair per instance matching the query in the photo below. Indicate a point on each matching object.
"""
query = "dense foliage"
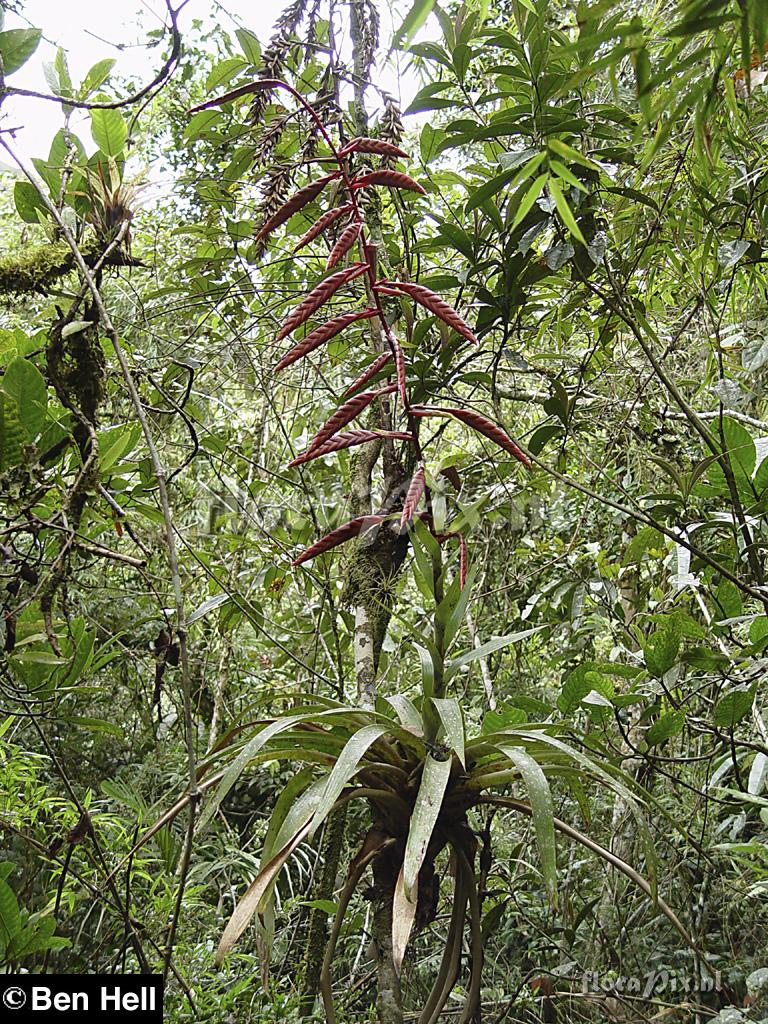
(385, 508)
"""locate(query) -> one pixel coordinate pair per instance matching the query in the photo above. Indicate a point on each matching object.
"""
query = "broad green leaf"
(429, 800)
(740, 446)
(16, 47)
(733, 707)
(25, 385)
(346, 766)
(665, 727)
(453, 723)
(646, 539)
(96, 77)
(10, 918)
(661, 648)
(500, 718)
(540, 798)
(405, 709)
(109, 131)
(29, 203)
(403, 916)
(411, 24)
(729, 603)
(250, 45)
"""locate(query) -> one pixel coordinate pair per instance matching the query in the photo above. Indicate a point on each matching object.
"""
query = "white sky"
(90, 30)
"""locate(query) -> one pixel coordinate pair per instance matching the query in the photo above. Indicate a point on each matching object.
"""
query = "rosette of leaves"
(422, 777)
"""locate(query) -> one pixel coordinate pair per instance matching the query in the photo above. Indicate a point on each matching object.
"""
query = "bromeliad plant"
(410, 760)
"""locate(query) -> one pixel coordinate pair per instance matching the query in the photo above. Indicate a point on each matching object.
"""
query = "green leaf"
(405, 709)
(729, 601)
(665, 727)
(29, 203)
(209, 605)
(109, 131)
(449, 710)
(10, 918)
(566, 214)
(347, 764)
(661, 648)
(646, 539)
(501, 718)
(742, 454)
(115, 443)
(96, 77)
(16, 47)
(733, 707)
(95, 725)
(411, 24)
(250, 45)
(490, 646)
(12, 435)
(25, 385)
(758, 629)
(429, 800)
(251, 748)
(529, 199)
(508, 178)
(540, 798)
(462, 595)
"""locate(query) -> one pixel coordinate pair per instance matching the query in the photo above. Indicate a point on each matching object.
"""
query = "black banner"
(137, 998)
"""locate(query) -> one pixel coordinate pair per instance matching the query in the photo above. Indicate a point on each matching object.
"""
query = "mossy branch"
(36, 269)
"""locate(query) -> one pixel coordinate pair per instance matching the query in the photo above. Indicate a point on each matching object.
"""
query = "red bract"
(479, 423)
(452, 475)
(318, 296)
(394, 179)
(368, 374)
(321, 224)
(322, 334)
(345, 241)
(400, 367)
(235, 94)
(297, 202)
(492, 431)
(429, 300)
(377, 146)
(347, 412)
(413, 497)
(348, 439)
(338, 536)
